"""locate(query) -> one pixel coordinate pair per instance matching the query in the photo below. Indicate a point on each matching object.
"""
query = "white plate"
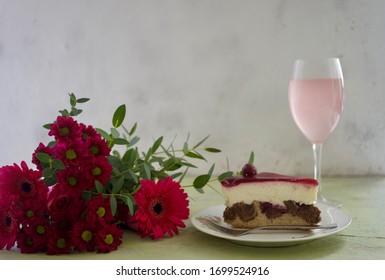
(274, 239)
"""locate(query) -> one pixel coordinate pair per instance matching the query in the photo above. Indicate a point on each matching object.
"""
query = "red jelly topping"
(268, 177)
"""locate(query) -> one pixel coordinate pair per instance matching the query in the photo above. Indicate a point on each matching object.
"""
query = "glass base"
(328, 201)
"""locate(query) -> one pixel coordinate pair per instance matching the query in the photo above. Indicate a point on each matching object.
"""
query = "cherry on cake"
(259, 199)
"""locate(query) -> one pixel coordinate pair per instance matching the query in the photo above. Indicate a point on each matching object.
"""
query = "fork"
(242, 231)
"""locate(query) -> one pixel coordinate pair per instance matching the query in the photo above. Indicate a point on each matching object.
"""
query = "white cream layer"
(273, 192)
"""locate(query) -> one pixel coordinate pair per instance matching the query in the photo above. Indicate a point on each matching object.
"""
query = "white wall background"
(214, 67)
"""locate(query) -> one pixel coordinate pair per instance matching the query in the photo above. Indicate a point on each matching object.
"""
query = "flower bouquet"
(83, 192)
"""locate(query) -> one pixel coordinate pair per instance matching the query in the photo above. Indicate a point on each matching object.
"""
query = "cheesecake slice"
(259, 199)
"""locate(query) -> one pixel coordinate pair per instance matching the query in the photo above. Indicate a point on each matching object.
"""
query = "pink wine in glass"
(316, 106)
(316, 96)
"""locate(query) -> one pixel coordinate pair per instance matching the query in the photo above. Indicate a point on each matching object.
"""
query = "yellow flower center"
(96, 171)
(70, 154)
(86, 235)
(61, 243)
(101, 212)
(109, 239)
(40, 229)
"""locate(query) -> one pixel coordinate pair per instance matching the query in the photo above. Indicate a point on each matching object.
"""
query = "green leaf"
(58, 164)
(133, 129)
(134, 177)
(117, 186)
(172, 164)
(115, 133)
(185, 163)
(225, 175)
(133, 141)
(75, 111)
(119, 116)
(50, 181)
(113, 160)
(201, 181)
(82, 100)
(176, 175)
(147, 171)
(121, 141)
(185, 148)
(130, 204)
(99, 187)
(201, 142)
(43, 157)
(212, 150)
(211, 170)
(103, 133)
(86, 195)
(51, 144)
(130, 157)
(64, 113)
(113, 204)
(251, 158)
(116, 154)
(47, 126)
(199, 190)
(148, 155)
(156, 145)
(194, 155)
(48, 172)
(72, 99)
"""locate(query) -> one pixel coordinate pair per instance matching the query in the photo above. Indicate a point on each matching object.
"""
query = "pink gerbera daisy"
(8, 227)
(21, 182)
(161, 208)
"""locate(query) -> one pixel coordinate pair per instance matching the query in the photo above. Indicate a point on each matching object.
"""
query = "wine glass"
(316, 95)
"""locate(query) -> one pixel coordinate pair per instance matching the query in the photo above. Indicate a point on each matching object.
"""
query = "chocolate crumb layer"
(246, 212)
(309, 213)
(264, 213)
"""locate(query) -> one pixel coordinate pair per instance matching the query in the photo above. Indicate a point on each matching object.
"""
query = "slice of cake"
(260, 199)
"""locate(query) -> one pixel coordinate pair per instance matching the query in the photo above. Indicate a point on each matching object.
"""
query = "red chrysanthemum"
(59, 242)
(36, 229)
(72, 153)
(29, 208)
(83, 236)
(88, 131)
(65, 129)
(27, 244)
(109, 238)
(21, 182)
(98, 210)
(100, 170)
(8, 227)
(161, 208)
(97, 146)
(72, 180)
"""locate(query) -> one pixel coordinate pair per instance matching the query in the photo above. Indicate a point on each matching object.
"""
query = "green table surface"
(362, 198)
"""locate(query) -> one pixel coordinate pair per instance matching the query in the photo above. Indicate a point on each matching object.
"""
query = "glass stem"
(317, 153)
